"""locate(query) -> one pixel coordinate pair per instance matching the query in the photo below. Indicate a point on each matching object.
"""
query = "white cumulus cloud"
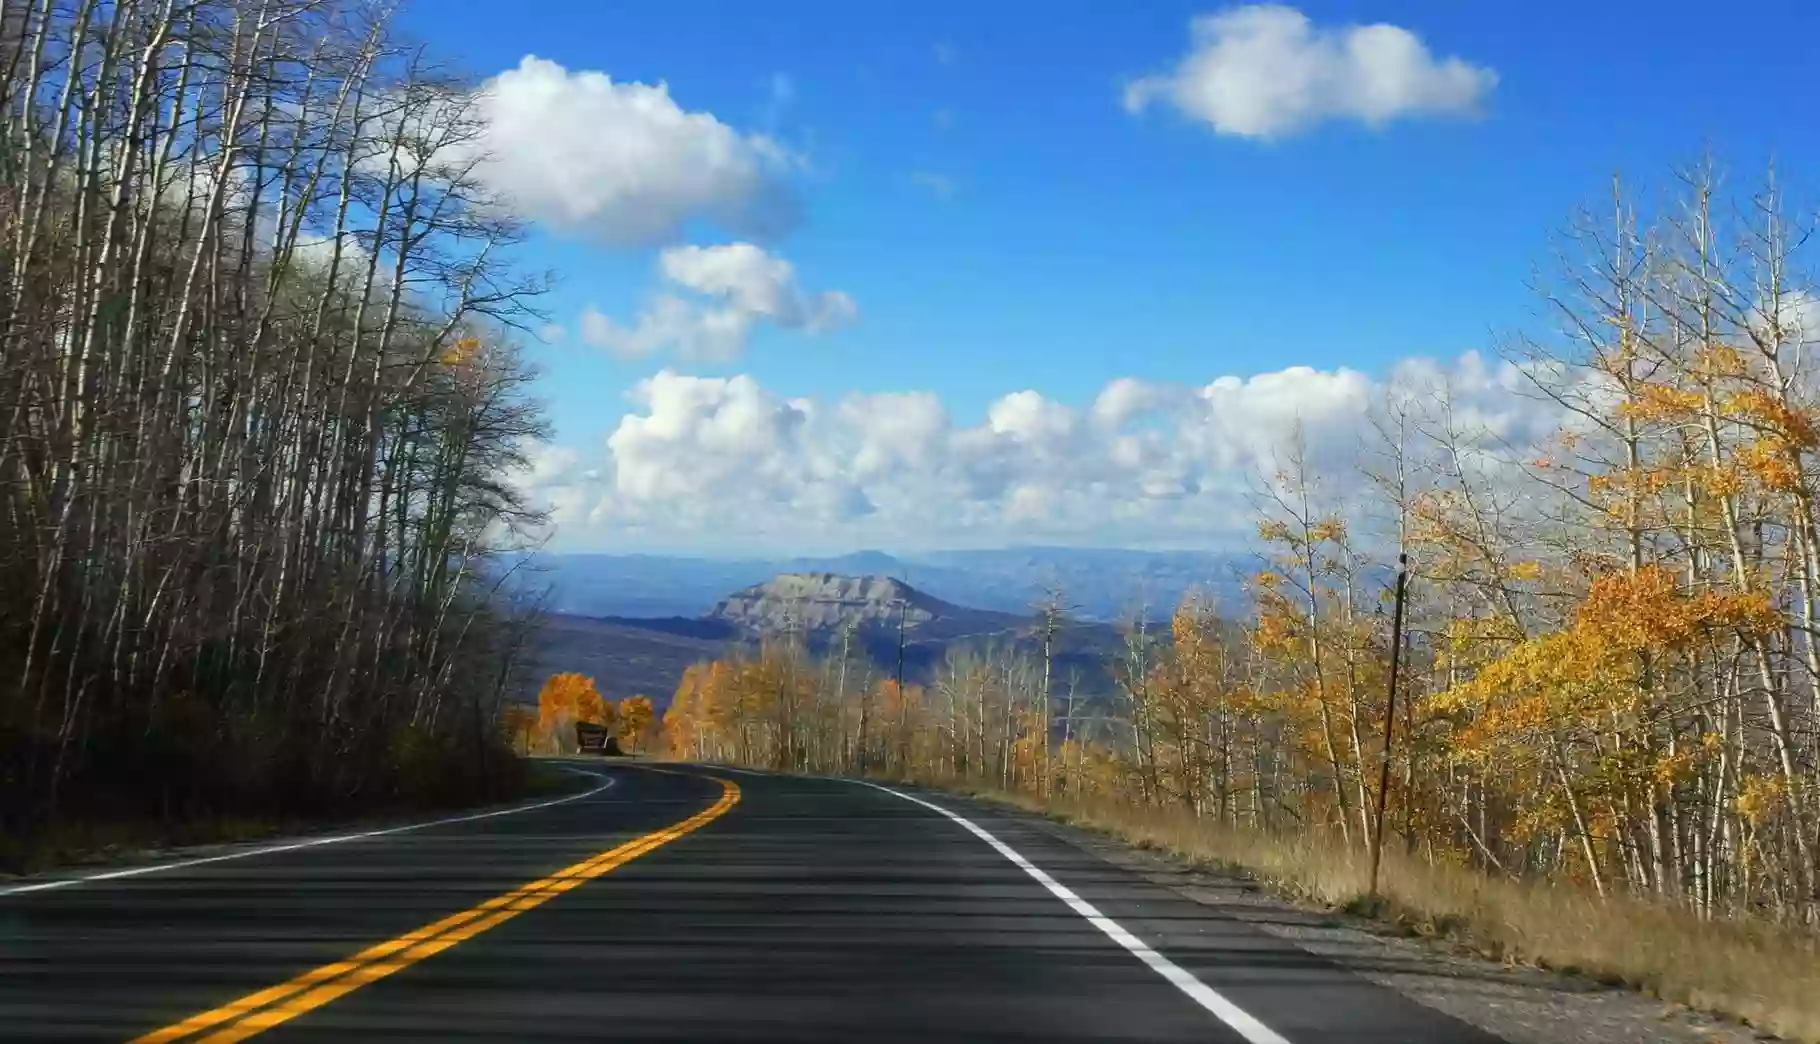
(1796, 317)
(1266, 71)
(623, 162)
(707, 462)
(731, 289)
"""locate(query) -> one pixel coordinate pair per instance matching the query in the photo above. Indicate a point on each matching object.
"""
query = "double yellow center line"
(260, 1011)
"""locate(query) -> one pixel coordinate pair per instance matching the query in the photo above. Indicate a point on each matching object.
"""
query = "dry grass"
(92, 842)
(1766, 976)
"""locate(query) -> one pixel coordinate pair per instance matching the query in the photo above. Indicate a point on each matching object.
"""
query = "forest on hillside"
(1611, 672)
(258, 396)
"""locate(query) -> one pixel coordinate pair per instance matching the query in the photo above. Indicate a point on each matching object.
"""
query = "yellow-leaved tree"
(637, 718)
(564, 700)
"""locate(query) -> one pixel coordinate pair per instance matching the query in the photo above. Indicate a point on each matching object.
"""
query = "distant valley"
(1102, 584)
(632, 655)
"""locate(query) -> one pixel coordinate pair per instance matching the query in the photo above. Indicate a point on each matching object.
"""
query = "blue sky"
(969, 177)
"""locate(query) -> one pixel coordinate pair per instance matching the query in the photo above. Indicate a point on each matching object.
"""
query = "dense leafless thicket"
(257, 402)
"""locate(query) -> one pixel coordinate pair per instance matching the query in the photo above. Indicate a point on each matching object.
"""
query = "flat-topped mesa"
(829, 601)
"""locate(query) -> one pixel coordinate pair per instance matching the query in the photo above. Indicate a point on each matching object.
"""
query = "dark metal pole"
(1390, 720)
(903, 607)
(903, 710)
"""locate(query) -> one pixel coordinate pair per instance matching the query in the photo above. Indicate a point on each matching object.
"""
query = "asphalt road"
(668, 906)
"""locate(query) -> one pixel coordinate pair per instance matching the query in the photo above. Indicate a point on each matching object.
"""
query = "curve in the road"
(1241, 1021)
(817, 910)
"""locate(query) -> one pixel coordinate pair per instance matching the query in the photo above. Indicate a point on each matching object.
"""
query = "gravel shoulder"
(1523, 1005)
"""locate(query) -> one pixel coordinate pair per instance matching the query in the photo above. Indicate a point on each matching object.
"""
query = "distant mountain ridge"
(1102, 584)
(822, 601)
(647, 656)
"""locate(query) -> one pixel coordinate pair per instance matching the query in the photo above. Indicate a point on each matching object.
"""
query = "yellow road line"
(261, 1010)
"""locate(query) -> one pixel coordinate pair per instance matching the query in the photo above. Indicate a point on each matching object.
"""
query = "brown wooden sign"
(590, 737)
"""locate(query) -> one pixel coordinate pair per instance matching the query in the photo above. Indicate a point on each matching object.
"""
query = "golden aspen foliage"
(564, 700)
(635, 716)
(1610, 671)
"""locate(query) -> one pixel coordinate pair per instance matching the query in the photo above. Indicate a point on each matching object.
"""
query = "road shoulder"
(1521, 1004)
(565, 782)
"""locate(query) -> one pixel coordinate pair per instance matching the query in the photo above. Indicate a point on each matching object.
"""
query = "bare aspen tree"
(1050, 609)
(259, 406)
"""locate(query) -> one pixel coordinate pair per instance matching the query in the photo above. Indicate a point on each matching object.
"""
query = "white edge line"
(292, 846)
(1206, 996)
